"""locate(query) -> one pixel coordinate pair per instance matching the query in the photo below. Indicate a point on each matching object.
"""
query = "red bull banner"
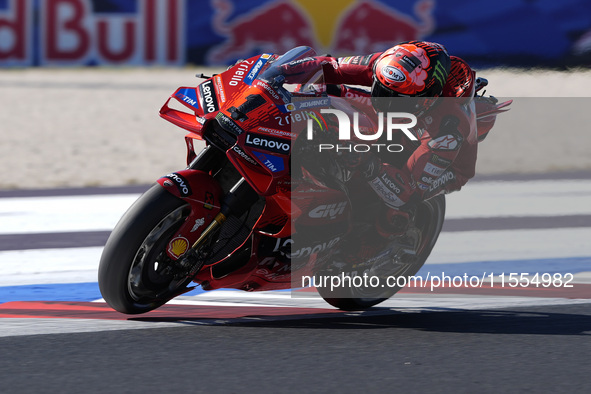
(84, 32)
(215, 32)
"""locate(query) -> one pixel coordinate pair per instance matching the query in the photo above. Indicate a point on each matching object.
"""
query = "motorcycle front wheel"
(133, 276)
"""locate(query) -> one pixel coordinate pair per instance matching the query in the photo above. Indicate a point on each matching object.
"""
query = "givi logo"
(328, 210)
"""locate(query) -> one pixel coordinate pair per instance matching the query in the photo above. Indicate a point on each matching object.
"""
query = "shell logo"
(178, 246)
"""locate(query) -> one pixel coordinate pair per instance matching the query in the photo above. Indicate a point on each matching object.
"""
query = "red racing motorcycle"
(255, 210)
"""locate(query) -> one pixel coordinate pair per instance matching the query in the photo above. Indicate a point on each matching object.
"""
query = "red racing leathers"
(445, 157)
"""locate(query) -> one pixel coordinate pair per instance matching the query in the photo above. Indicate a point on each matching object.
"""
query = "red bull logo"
(275, 27)
(370, 26)
(73, 32)
(338, 27)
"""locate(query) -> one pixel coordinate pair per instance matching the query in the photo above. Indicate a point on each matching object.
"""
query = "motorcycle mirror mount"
(277, 81)
(203, 76)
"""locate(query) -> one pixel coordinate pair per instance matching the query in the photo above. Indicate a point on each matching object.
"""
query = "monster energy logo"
(439, 73)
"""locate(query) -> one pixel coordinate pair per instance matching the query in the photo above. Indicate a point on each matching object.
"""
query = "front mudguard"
(204, 196)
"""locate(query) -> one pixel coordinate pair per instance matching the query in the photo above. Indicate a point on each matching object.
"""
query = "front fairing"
(258, 111)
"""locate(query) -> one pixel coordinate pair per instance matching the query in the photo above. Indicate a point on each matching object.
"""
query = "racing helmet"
(414, 69)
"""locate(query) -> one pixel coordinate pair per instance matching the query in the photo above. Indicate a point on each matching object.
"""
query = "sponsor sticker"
(285, 246)
(366, 59)
(246, 157)
(198, 223)
(268, 143)
(180, 182)
(445, 142)
(344, 60)
(356, 60)
(208, 97)
(395, 187)
(300, 61)
(393, 74)
(385, 193)
(305, 104)
(209, 200)
(220, 88)
(330, 211)
(273, 163)
(239, 71)
(439, 161)
(178, 246)
(228, 124)
(281, 133)
(293, 117)
(443, 180)
(268, 89)
(433, 170)
(258, 65)
(189, 96)
(361, 98)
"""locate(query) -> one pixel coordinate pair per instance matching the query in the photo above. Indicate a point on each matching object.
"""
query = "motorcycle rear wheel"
(429, 219)
(132, 273)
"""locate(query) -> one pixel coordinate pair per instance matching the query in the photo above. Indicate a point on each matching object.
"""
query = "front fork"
(197, 186)
(236, 203)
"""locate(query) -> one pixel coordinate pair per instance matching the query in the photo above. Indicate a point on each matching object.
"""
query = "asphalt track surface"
(499, 340)
(539, 349)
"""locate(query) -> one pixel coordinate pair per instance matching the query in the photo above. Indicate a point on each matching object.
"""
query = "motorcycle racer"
(411, 77)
